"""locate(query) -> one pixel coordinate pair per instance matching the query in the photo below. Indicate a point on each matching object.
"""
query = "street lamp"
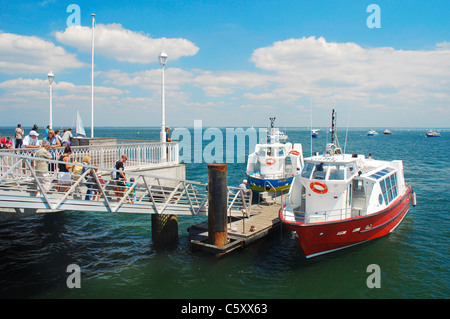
(163, 60)
(92, 77)
(51, 77)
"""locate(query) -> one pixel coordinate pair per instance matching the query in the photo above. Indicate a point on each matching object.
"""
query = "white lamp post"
(163, 60)
(51, 77)
(92, 78)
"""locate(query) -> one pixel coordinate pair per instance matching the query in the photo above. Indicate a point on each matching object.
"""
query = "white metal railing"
(322, 216)
(23, 185)
(140, 155)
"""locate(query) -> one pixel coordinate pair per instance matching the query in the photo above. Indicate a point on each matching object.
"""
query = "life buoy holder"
(270, 161)
(294, 152)
(318, 187)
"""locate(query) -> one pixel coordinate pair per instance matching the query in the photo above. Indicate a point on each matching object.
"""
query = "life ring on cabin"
(294, 152)
(318, 187)
(270, 161)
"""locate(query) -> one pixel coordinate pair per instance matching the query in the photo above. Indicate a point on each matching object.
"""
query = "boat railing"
(239, 200)
(325, 215)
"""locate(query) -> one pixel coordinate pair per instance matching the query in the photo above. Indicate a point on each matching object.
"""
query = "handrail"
(22, 185)
(140, 155)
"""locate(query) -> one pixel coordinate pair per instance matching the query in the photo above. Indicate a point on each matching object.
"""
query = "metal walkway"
(22, 185)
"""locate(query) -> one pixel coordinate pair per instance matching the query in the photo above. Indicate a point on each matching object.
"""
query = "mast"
(332, 126)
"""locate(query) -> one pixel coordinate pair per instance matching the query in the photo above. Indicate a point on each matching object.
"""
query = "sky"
(230, 63)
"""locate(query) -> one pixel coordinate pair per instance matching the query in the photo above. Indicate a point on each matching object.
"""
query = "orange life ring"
(294, 152)
(270, 161)
(323, 189)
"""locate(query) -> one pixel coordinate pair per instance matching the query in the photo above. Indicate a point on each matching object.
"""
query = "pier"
(242, 230)
(153, 188)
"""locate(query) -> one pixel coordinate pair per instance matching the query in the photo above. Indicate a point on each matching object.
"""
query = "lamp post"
(51, 77)
(163, 60)
(92, 78)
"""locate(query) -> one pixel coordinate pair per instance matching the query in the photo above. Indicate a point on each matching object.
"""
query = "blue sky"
(231, 63)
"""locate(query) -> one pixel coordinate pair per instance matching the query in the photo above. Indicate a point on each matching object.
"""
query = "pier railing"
(140, 155)
(26, 182)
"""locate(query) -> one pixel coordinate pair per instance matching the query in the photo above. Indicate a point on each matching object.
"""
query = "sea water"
(117, 259)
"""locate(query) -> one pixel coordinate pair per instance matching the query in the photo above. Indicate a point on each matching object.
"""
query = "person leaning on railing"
(120, 177)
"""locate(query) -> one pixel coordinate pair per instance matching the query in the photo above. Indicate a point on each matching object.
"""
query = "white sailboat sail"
(79, 126)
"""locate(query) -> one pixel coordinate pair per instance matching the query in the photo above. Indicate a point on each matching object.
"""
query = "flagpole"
(92, 78)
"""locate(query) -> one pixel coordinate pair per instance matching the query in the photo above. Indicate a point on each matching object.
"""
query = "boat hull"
(325, 237)
(269, 185)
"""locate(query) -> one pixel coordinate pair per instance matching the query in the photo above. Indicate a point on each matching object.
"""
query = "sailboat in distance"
(80, 132)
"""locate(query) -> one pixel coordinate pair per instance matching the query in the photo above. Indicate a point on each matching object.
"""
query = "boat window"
(381, 173)
(389, 188)
(337, 172)
(307, 170)
(320, 172)
(281, 152)
(383, 189)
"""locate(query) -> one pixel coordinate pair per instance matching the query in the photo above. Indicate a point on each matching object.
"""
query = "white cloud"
(114, 41)
(347, 72)
(30, 54)
(23, 86)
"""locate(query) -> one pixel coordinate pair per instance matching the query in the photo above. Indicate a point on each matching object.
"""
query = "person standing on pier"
(64, 177)
(67, 136)
(42, 166)
(54, 143)
(19, 135)
(30, 142)
(120, 177)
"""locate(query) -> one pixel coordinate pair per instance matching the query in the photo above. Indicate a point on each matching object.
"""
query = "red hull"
(320, 238)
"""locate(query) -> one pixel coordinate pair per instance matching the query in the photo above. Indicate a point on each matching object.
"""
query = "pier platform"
(242, 231)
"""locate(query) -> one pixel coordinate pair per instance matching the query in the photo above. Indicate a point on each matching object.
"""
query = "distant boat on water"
(387, 132)
(315, 133)
(80, 132)
(432, 133)
(371, 133)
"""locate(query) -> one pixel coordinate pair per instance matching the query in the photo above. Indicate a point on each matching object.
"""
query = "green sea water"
(118, 260)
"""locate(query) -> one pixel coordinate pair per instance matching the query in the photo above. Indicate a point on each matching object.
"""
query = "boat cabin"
(343, 186)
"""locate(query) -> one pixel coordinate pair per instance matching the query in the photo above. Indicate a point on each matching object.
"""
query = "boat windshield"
(327, 171)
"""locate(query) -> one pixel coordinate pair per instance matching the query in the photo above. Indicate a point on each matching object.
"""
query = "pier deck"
(242, 232)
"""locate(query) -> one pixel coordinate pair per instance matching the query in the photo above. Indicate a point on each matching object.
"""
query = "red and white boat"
(340, 200)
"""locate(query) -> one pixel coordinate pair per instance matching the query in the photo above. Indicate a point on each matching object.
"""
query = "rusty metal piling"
(217, 204)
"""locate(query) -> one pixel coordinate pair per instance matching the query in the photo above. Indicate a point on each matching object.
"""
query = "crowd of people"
(32, 141)
(67, 171)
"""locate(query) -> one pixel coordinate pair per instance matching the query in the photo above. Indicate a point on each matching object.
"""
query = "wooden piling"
(164, 229)
(217, 204)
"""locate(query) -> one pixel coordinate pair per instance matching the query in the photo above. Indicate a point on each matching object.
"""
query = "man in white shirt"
(31, 140)
(67, 136)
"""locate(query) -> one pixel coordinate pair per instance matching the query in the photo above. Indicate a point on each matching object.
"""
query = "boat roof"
(336, 159)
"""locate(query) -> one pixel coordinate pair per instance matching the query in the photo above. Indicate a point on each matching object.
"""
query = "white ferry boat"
(340, 200)
(272, 165)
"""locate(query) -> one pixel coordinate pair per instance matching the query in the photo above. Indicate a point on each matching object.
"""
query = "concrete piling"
(217, 204)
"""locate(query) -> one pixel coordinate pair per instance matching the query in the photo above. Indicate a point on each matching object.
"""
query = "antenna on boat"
(332, 126)
(346, 133)
(310, 133)
(272, 120)
(333, 147)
